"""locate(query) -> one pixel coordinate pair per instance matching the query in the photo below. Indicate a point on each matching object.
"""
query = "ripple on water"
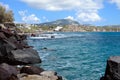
(79, 57)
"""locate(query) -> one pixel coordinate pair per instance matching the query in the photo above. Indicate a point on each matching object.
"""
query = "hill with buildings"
(60, 22)
(67, 25)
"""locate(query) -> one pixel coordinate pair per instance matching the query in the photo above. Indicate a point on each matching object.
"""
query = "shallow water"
(78, 55)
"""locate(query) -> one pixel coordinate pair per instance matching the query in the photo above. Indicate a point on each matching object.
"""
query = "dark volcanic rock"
(2, 36)
(26, 56)
(31, 70)
(4, 75)
(9, 46)
(8, 72)
(11, 69)
(112, 69)
(7, 32)
(14, 48)
(4, 56)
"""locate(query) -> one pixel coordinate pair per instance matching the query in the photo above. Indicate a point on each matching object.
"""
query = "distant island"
(66, 25)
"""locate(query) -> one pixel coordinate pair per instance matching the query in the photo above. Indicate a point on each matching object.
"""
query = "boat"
(46, 36)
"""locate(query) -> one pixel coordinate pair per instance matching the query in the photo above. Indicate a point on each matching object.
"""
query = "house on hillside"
(58, 28)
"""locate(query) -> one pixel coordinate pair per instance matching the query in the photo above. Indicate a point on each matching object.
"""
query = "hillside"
(60, 22)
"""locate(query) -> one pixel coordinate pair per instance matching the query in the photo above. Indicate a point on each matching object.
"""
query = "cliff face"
(14, 48)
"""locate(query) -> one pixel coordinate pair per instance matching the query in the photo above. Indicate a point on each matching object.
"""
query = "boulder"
(22, 75)
(11, 69)
(5, 48)
(36, 73)
(31, 70)
(2, 36)
(16, 42)
(9, 46)
(112, 69)
(4, 75)
(22, 36)
(15, 50)
(8, 72)
(13, 77)
(26, 56)
(48, 73)
(39, 77)
(51, 74)
(4, 56)
(15, 53)
(3, 52)
(7, 32)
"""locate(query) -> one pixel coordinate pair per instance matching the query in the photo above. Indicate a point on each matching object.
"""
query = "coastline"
(16, 55)
(84, 48)
(19, 65)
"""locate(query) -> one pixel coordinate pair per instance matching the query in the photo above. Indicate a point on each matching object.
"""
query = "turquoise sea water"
(78, 56)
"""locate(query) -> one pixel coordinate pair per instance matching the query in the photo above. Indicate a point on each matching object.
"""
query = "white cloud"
(84, 8)
(70, 17)
(32, 18)
(86, 17)
(58, 5)
(117, 2)
(53, 5)
(89, 11)
(5, 5)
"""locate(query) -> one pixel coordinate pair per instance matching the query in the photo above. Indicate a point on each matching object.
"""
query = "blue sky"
(96, 12)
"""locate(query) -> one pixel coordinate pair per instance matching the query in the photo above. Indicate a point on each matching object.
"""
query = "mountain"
(112, 25)
(60, 22)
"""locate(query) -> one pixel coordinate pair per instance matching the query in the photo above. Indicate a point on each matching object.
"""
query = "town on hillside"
(65, 25)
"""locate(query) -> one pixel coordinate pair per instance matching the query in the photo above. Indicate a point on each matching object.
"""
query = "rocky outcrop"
(31, 70)
(112, 69)
(14, 48)
(37, 73)
(45, 75)
(39, 77)
(51, 74)
(11, 69)
(27, 55)
(8, 72)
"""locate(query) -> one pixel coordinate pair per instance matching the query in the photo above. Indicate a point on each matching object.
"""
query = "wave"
(55, 35)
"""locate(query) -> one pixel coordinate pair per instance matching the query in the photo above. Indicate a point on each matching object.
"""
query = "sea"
(78, 55)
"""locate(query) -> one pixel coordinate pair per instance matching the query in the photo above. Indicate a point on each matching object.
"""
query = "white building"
(58, 28)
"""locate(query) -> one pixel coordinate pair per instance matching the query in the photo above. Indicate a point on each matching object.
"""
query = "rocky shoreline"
(16, 55)
(112, 71)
